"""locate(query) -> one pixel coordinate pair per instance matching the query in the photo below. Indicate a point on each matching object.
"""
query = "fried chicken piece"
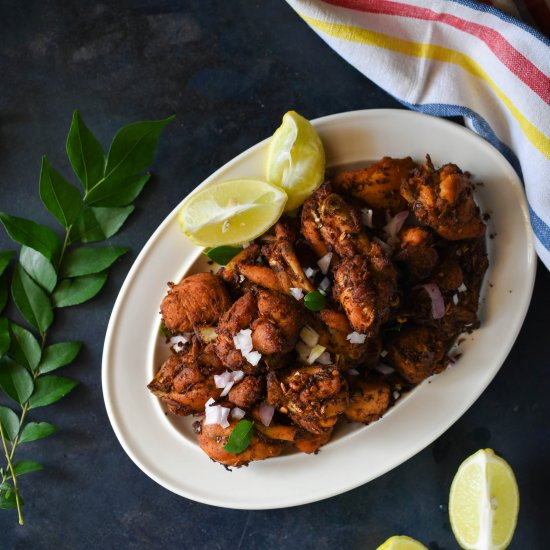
(212, 438)
(416, 250)
(443, 199)
(309, 443)
(378, 185)
(185, 381)
(313, 397)
(330, 224)
(247, 392)
(199, 299)
(275, 321)
(416, 353)
(369, 398)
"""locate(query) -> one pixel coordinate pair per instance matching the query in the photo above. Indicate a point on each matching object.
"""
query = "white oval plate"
(167, 452)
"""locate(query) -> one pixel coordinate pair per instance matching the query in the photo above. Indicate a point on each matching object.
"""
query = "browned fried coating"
(199, 299)
(416, 249)
(369, 398)
(416, 353)
(309, 443)
(247, 392)
(377, 185)
(443, 199)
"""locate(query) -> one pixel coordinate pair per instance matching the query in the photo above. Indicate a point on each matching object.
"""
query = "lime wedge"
(231, 212)
(484, 502)
(401, 543)
(296, 159)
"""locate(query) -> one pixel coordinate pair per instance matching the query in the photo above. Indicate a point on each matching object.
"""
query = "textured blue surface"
(228, 70)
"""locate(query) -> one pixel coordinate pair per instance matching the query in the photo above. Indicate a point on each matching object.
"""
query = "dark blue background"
(228, 70)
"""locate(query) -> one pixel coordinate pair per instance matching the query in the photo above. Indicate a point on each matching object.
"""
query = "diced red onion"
(216, 414)
(366, 216)
(297, 293)
(227, 389)
(253, 357)
(266, 412)
(222, 380)
(324, 263)
(325, 283)
(353, 372)
(384, 369)
(310, 272)
(243, 340)
(356, 338)
(392, 228)
(383, 353)
(324, 358)
(237, 413)
(462, 288)
(455, 299)
(438, 304)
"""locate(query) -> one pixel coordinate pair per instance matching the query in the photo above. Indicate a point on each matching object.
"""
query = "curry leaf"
(87, 260)
(3, 292)
(71, 292)
(38, 267)
(28, 233)
(26, 466)
(10, 423)
(133, 148)
(31, 300)
(96, 224)
(8, 501)
(24, 347)
(117, 192)
(49, 389)
(36, 430)
(15, 380)
(58, 355)
(5, 258)
(85, 153)
(5, 338)
(223, 254)
(240, 437)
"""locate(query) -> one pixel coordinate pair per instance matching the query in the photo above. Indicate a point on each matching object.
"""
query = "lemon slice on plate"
(484, 502)
(401, 543)
(296, 159)
(231, 212)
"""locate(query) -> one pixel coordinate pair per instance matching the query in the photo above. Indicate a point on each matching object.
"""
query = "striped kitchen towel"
(456, 58)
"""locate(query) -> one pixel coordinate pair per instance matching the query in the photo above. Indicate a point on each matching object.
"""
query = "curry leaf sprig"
(52, 272)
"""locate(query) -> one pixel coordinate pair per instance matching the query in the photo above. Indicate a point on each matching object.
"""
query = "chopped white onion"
(396, 395)
(297, 293)
(324, 358)
(178, 341)
(237, 413)
(241, 278)
(310, 272)
(227, 380)
(253, 357)
(216, 414)
(462, 288)
(392, 228)
(353, 372)
(455, 299)
(366, 216)
(243, 340)
(356, 338)
(303, 350)
(315, 353)
(266, 412)
(383, 353)
(385, 369)
(324, 263)
(309, 336)
(227, 388)
(438, 304)
(325, 283)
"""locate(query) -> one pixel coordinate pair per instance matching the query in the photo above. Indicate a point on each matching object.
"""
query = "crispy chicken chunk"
(313, 397)
(443, 199)
(247, 392)
(369, 398)
(199, 299)
(274, 319)
(378, 185)
(416, 250)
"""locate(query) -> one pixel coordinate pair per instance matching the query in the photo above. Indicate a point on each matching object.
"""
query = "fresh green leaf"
(36, 430)
(117, 192)
(5, 338)
(15, 380)
(240, 437)
(3, 292)
(58, 355)
(60, 197)
(85, 153)
(71, 292)
(88, 260)
(31, 234)
(31, 300)
(97, 224)
(10, 423)
(314, 301)
(133, 148)
(39, 268)
(5, 258)
(26, 466)
(222, 255)
(49, 389)
(5, 486)
(8, 501)
(24, 347)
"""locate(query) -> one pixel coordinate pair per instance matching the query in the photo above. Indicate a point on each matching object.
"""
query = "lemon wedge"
(401, 543)
(231, 212)
(484, 502)
(296, 159)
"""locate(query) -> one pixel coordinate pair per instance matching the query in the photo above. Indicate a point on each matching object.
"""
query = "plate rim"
(140, 259)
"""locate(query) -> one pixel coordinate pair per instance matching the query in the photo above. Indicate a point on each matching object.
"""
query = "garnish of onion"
(324, 263)
(216, 414)
(355, 338)
(438, 304)
(309, 336)
(392, 228)
(237, 412)
(266, 412)
(297, 293)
